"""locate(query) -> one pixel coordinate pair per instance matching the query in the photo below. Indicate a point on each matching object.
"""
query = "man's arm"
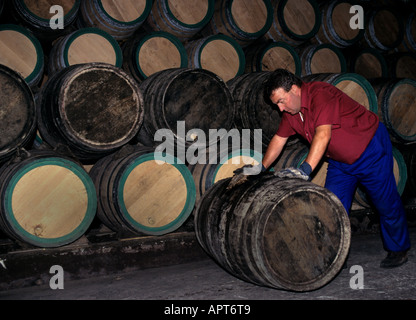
(319, 145)
(273, 150)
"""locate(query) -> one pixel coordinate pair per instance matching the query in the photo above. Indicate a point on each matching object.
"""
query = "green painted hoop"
(190, 199)
(51, 242)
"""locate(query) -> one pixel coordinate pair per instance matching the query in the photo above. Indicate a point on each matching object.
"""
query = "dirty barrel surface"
(282, 233)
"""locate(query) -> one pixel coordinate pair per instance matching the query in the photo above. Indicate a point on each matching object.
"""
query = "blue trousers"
(374, 171)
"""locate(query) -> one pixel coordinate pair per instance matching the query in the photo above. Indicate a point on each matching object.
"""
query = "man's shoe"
(394, 259)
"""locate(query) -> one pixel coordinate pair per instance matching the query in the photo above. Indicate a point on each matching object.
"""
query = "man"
(356, 144)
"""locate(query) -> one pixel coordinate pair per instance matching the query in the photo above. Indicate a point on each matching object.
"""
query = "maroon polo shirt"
(353, 126)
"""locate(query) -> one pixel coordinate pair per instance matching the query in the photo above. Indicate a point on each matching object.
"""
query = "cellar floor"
(175, 268)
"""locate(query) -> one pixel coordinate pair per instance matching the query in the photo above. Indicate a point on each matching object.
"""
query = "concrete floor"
(204, 280)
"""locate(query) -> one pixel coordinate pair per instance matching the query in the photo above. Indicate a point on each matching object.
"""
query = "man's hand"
(241, 174)
(303, 172)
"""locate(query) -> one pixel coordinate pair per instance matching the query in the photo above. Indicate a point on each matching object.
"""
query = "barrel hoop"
(178, 44)
(40, 56)
(285, 28)
(139, 20)
(190, 201)
(233, 43)
(89, 214)
(111, 40)
(199, 25)
(365, 84)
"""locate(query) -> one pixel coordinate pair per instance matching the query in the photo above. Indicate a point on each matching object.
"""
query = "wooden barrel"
(335, 27)
(119, 18)
(397, 107)
(138, 194)
(36, 16)
(84, 46)
(148, 53)
(369, 63)
(243, 20)
(197, 98)
(402, 65)
(17, 116)
(270, 56)
(181, 18)
(94, 109)
(409, 39)
(297, 240)
(294, 21)
(352, 84)
(22, 52)
(220, 166)
(384, 29)
(219, 54)
(321, 58)
(409, 155)
(48, 200)
(252, 110)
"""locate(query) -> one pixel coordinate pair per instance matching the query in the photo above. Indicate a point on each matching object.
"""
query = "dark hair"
(280, 78)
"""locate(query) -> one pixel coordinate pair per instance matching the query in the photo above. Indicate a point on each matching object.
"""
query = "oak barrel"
(402, 65)
(197, 98)
(93, 108)
(22, 52)
(335, 27)
(140, 194)
(243, 20)
(252, 109)
(219, 54)
(17, 113)
(281, 233)
(397, 107)
(183, 19)
(269, 56)
(384, 28)
(321, 58)
(47, 199)
(119, 18)
(36, 16)
(294, 21)
(369, 63)
(148, 53)
(85, 45)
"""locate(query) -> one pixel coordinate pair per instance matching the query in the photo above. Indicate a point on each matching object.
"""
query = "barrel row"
(151, 49)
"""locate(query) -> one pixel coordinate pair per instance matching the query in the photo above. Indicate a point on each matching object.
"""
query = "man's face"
(287, 101)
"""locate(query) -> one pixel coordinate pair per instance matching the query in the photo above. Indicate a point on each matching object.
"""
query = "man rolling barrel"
(355, 142)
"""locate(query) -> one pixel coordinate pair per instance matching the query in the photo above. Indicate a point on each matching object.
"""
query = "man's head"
(283, 89)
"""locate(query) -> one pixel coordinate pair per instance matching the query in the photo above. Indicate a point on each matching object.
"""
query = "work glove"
(303, 172)
(241, 174)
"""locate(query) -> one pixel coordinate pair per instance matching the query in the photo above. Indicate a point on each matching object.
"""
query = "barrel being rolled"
(141, 194)
(119, 18)
(94, 109)
(22, 52)
(17, 113)
(47, 199)
(281, 233)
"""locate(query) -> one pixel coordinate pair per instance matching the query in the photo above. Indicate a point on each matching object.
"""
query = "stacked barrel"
(100, 90)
